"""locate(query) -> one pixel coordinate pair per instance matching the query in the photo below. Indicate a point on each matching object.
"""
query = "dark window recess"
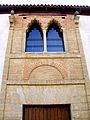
(46, 112)
(63, 17)
(34, 39)
(54, 39)
(24, 17)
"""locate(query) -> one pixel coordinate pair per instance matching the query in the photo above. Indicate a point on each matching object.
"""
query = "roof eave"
(67, 9)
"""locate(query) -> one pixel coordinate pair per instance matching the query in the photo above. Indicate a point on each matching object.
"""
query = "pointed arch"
(56, 22)
(54, 36)
(34, 37)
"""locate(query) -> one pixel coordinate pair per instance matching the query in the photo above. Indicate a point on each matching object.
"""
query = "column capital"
(44, 28)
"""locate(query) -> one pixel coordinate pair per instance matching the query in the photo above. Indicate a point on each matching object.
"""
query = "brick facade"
(44, 78)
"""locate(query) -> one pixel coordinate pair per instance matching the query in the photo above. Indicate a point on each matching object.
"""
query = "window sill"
(46, 55)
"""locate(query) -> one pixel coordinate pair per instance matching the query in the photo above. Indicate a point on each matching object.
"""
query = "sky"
(60, 2)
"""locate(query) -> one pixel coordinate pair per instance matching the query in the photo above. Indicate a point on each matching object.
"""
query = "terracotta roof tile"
(70, 9)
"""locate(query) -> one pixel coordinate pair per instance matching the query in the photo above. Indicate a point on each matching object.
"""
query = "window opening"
(34, 39)
(55, 39)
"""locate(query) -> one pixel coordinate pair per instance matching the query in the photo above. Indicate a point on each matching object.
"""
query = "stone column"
(24, 40)
(45, 40)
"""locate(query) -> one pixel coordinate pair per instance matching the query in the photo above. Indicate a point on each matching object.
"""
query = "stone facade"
(44, 78)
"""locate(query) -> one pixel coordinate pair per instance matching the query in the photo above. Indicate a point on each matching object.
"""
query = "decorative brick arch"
(45, 72)
(59, 66)
(56, 22)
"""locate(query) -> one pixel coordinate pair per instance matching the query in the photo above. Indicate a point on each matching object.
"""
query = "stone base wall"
(74, 95)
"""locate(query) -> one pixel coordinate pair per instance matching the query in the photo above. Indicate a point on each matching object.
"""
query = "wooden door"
(46, 112)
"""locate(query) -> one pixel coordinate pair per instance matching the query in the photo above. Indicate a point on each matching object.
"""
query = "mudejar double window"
(35, 41)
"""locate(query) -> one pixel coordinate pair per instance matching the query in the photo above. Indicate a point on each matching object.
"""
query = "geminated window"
(34, 39)
(54, 39)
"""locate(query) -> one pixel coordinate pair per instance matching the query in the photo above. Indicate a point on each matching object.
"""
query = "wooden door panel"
(37, 114)
(55, 113)
(46, 112)
(29, 114)
(59, 114)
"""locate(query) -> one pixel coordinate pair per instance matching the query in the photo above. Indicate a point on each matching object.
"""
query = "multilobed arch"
(54, 36)
(56, 22)
(34, 38)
